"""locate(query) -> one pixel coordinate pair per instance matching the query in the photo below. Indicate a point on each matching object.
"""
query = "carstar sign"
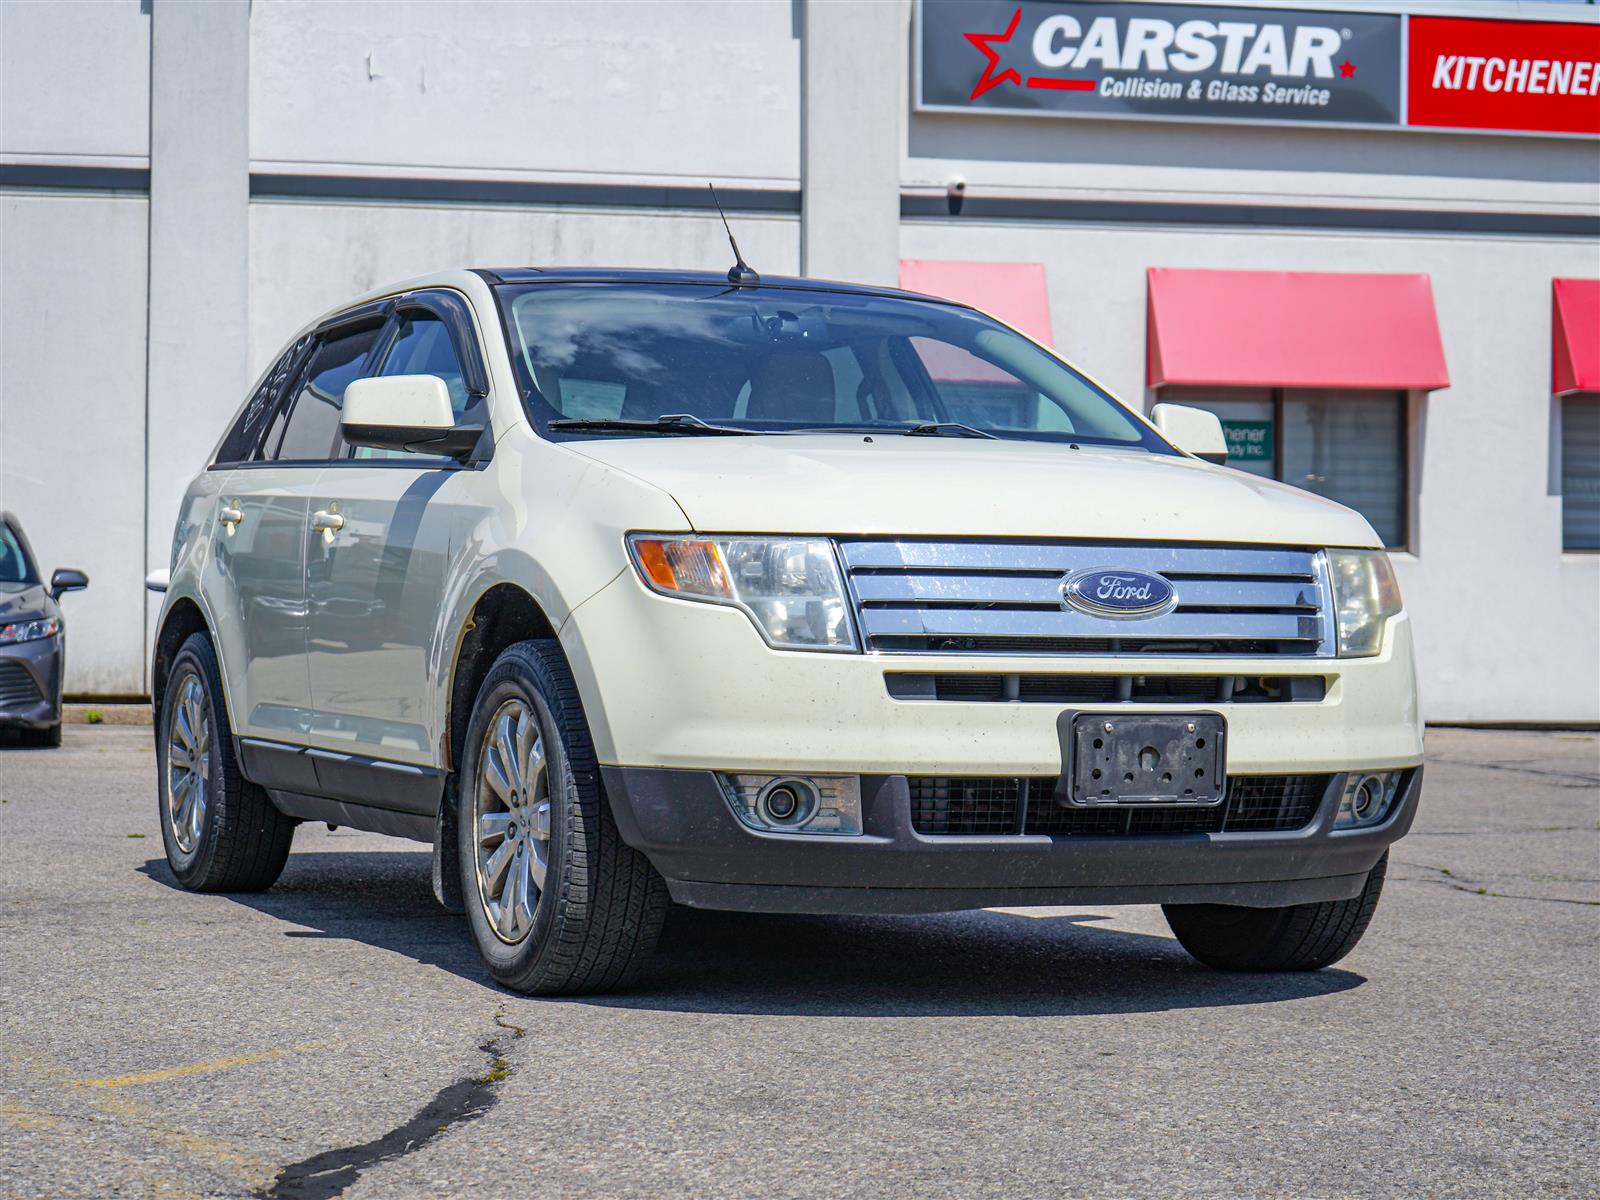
(1160, 61)
(1260, 65)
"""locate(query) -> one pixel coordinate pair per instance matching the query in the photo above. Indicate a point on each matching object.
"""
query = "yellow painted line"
(199, 1068)
(27, 1118)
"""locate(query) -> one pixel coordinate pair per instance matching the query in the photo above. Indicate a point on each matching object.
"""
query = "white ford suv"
(626, 587)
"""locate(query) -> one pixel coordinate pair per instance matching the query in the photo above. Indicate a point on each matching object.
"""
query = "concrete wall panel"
(74, 79)
(72, 418)
(598, 88)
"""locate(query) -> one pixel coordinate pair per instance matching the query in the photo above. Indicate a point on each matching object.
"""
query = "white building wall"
(683, 91)
(74, 81)
(72, 414)
(74, 89)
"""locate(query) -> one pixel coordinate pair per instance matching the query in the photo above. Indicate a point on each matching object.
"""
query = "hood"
(963, 487)
(23, 602)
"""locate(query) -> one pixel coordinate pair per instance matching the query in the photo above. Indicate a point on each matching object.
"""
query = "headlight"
(790, 587)
(1365, 596)
(29, 631)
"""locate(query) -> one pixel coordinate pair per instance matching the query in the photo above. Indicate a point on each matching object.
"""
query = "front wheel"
(558, 902)
(1298, 937)
(48, 738)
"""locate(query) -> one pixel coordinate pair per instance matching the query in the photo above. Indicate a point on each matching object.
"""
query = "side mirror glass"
(1192, 429)
(67, 580)
(405, 412)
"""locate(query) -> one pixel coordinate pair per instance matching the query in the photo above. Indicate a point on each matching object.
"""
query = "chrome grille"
(947, 597)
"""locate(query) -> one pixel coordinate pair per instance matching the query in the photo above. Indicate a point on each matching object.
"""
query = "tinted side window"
(314, 420)
(422, 346)
(242, 440)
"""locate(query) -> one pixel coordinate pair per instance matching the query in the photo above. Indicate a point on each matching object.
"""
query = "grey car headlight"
(29, 631)
(1365, 595)
(790, 587)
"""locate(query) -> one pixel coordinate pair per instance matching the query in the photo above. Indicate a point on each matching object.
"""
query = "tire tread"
(611, 902)
(1298, 937)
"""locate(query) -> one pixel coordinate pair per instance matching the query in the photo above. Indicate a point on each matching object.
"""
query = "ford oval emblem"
(1118, 594)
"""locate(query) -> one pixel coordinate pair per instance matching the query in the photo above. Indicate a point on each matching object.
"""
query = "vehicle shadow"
(955, 964)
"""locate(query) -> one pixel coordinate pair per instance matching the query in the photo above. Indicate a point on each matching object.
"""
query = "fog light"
(786, 802)
(1367, 798)
(795, 803)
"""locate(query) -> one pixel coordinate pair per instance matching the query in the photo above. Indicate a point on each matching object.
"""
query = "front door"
(385, 525)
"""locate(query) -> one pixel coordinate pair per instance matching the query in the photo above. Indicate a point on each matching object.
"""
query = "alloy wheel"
(512, 820)
(188, 763)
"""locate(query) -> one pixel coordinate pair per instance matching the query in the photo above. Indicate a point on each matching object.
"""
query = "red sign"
(1530, 76)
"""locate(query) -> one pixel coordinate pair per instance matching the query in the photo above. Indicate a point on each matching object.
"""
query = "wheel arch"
(503, 615)
(179, 623)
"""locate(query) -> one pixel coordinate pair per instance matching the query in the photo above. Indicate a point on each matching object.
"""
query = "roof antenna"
(740, 274)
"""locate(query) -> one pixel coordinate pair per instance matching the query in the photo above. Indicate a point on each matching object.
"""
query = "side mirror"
(1192, 429)
(405, 412)
(67, 580)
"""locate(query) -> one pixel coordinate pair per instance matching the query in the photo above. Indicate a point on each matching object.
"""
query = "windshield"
(14, 564)
(786, 360)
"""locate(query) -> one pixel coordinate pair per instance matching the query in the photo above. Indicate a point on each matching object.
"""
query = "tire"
(49, 737)
(1299, 937)
(236, 841)
(586, 917)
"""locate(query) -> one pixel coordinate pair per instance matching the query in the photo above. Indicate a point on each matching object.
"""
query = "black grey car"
(32, 638)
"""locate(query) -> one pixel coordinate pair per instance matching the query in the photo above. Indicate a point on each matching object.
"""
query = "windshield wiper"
(942, 428)
(666, 423)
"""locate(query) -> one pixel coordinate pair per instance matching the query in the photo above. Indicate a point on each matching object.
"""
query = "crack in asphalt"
(326, 1175)
(1584, 780)
(1447, 877)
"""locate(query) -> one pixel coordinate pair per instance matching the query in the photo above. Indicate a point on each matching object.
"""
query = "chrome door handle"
(230, 516)
(326, 523)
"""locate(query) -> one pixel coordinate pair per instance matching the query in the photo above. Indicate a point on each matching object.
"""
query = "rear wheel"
(558, 902)
(221, 832)
(1299, 937)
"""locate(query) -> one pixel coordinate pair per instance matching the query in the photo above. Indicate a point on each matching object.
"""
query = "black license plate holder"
(1127, 760)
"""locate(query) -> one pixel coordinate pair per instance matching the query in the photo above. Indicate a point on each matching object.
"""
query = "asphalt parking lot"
(337, 1034)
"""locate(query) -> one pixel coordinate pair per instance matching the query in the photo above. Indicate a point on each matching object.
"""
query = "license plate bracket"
(1111, 760)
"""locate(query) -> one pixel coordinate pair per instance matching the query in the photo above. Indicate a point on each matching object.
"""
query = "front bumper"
(30, 683)
(672, 683)
(682, 823)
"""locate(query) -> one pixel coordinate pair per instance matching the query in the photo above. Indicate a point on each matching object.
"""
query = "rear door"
(257, 591)
(377, 569)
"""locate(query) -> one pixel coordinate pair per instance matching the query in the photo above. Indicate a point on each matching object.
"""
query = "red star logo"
(982, 41)
(1346, 68)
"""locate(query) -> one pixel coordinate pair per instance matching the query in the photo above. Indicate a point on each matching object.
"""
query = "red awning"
(1293, 329)
(1577, 336)
(1014, 292)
